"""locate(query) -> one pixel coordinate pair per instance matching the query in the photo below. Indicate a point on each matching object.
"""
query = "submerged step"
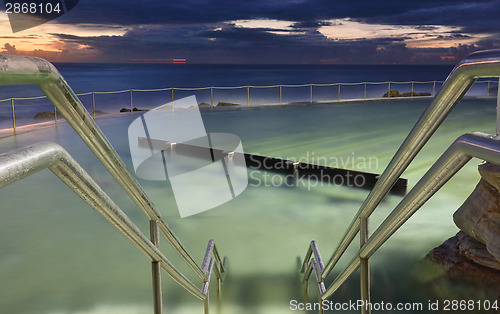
(294, 170)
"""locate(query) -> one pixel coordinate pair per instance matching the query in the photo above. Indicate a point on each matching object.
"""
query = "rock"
(408, 94)
(44, 115)
(395, 93)
(479, 216)
(491, 173)
(223, 104)
(475, 251)
(467, 266)
(203, 104)
(133, 109)
(50, 114)
(423, 94)
(448, 274)
(413, 94)
(392, 93)
(453, 254)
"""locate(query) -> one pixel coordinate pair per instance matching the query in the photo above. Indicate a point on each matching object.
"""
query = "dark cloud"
(461, 51)
(260, 37)
(241, 45)
(491, 42)
(471, 16)
(454, 36)
(9, 49)
(202, 31)
(307, 11)
(16, 37)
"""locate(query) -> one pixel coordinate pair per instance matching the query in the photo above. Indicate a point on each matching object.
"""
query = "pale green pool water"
(58, 256)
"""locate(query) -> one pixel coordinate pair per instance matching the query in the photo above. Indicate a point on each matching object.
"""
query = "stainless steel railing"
(476, 65)
(20, 70)
(22, 163)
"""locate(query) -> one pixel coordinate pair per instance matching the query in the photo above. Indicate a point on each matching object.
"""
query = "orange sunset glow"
(41, 41)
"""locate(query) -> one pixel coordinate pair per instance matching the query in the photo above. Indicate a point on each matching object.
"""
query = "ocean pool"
(58, 256)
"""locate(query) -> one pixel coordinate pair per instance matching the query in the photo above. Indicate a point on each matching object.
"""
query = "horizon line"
(258, 64)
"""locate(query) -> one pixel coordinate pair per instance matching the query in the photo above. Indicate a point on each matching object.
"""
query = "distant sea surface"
(87, 77)
(94, 77)
(99, 77)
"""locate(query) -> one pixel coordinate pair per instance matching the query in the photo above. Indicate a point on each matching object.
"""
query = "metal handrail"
(17, 70)
(19, 164)
(24, 162)
(480, 145)
(463, 76)
(21, 70)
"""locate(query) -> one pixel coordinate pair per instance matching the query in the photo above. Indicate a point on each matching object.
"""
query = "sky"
(262, 32)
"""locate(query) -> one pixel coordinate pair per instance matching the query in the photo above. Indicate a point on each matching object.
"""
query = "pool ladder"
(479, 145)
(20, 70)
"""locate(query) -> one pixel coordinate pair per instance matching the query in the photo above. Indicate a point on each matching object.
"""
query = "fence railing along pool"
(30, 110)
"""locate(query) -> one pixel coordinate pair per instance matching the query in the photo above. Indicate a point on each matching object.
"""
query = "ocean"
(100, 77)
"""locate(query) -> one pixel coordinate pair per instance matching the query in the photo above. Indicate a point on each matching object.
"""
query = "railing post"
(281, 95)
(207, 303)
(411, 88)
(320, 302)
(364, 95)
(131, 104)
(13, 115)
(306, 291)
(498, 108)
(156, 269)
(311, 93)
(294, 165)
(219, 294)
(248, 96)
(389, 90)
(211, 97)
(338, 95)
(434, 88)
(219, 284)
(488, 89)
(55, 115)
(364, 267)
(172, 99)
(93, 105)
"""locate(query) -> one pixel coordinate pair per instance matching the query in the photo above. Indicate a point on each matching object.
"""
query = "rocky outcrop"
(413, 94)
(395, 93)
(225, 104)
(491, 174)
(465, 257)
(45, 115)
(448, 272)
(470, 261)
(479, 216)
(392, 93)
(133, 109)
